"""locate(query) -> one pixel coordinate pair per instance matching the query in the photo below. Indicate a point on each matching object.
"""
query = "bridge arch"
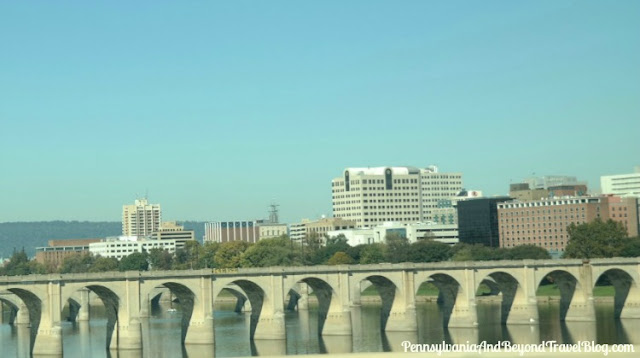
(187, 299)
(257, 296)
(450, 292)
(567, 283)
(512, 292)
(329, 304)
(33, 302)
(13, 304)
(388, 292)
(110, 298)
(627, 293)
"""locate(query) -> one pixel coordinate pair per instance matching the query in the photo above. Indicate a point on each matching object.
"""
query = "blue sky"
(218, 108)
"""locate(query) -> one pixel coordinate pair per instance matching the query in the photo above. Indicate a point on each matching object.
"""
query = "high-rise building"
(478, 220)
(141, 218)
(621, 184)
(372, 196)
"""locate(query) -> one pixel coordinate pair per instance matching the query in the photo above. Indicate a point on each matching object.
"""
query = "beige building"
(141, 218)
(267, 231)
(544, 222)
(170, 230)
(320, 227)
(372, 196)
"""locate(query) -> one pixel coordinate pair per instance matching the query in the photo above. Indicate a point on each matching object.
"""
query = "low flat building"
(119, 247)
(54, 254)
(320, 227)
(445, 233)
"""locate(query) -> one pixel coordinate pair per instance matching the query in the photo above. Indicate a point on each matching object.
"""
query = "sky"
(217, 109)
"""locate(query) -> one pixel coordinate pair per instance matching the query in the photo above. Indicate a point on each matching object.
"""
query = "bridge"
(127, 296)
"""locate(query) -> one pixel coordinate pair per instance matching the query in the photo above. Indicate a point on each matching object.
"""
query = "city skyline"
(217, 110)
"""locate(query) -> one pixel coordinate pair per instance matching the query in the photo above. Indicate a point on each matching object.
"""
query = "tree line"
(590, 240)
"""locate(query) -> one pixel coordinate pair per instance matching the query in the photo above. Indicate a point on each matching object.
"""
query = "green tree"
(595, 239)
(429, 251)
(270, 252)
(373, 253)
(18, 264)
(104, 264)
(523, 252)
(77, 263)
(207, 259)
(229, 254)
(136, 261)
(160, 259)
(630, 248)
(397, 247)
(340, 258)
(477, 252)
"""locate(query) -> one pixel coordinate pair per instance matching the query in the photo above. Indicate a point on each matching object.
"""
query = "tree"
(77, 263)
(397, 247)
(18, 264)
(229, 254)
(270, 252)
(523, 252)
(160, 259)
(373, 253)
(477, 252)
(631, 248)
(340, 258)
(207, 259)
(429, 251)
(136, 261)
(595, 239)
(104, 264)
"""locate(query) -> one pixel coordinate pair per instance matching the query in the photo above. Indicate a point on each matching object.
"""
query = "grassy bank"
(428, 289)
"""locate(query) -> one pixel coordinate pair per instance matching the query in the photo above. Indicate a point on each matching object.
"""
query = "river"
(161, 333)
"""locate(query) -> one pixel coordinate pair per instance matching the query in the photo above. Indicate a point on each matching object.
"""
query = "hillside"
(29, 235)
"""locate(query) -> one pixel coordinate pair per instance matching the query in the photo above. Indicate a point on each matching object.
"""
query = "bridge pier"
(48, 340)
(524, 307)
(1, 312)
(83, 312)
(402, 316)
(201, 329)
(303, 300)
(270, 324)
(22, 316)
(127, 336)
(464, 313)
(581, 307)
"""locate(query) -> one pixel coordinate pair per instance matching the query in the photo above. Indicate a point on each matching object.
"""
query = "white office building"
(372, 196)
(141, 218)
(121, 246)
(445, 233)
(621, 184)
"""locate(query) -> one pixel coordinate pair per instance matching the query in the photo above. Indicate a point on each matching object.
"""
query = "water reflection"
(162, 338)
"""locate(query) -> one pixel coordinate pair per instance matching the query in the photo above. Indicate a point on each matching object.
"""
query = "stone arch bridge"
(40, 299)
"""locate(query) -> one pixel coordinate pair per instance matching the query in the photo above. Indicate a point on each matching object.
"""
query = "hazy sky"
(217, 108)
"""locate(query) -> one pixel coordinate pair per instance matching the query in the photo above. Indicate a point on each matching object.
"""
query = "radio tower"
(273, 213)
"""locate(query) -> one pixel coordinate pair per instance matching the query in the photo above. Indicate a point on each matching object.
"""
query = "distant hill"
(16, 235)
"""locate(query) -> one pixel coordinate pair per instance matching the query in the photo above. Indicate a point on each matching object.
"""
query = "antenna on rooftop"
(273, 213)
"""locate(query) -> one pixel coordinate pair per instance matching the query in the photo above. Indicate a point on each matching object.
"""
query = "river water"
(161, 333)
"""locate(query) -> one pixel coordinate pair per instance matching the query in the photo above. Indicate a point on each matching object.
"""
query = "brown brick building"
(54, 254)
(544, 222)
